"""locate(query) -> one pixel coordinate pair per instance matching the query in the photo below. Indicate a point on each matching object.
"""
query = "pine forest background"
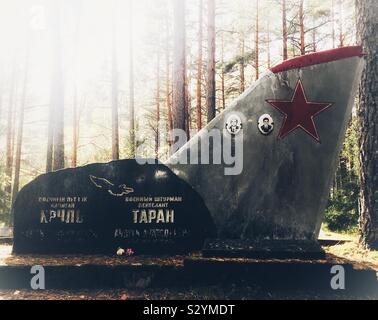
(85, 81)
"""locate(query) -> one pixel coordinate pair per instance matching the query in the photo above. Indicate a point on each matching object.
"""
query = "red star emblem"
(299, 113)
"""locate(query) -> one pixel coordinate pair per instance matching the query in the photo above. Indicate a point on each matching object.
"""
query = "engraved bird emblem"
(117, 191)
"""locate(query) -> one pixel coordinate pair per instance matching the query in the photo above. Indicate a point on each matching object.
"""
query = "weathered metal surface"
(283, 189)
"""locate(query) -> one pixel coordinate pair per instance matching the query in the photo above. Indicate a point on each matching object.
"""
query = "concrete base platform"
(144, 273)
(283, 275)
(272, 276)
(266, 249)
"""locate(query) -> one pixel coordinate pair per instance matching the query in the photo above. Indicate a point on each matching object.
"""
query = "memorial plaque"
(101, 207)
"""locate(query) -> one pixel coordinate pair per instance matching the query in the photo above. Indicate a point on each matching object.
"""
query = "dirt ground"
(193, 293)
(352, 252)
(349, 251)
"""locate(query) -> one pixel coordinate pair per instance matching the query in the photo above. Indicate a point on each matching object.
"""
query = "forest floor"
(352, 252)
(348, 251)
(327, 235)
(208, 293)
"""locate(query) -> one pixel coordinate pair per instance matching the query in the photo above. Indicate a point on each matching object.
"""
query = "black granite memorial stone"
(101, 207)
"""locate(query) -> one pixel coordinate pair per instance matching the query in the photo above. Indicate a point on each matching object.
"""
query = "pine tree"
(210, 82)
(179, 66)
(368, 117)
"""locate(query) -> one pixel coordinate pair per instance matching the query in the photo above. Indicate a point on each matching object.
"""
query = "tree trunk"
(242, 64)
(131, 83)
(314, 48)
(199, 69)
(16, 182)
(257, 62)
(168, 88)
(179, 66)
(75, 124)
(115, 87)
(293, 51)
(14, 120)
(333, 24)
(10, 132)
(223, 86)
(57, 94)
(368, 120)
(50, 139)
(75, 120)
(157, 133)
(211, 61)
(188, 96)
(268, 44)
(301, 28)
(355, 15)
(341, 32)
(284, 31)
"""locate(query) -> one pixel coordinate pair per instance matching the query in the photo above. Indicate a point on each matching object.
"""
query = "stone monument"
(287, 129)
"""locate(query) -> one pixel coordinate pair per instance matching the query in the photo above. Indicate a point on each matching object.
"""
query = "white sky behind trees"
(87, 51)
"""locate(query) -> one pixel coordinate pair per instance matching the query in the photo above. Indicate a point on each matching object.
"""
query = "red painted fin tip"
(318, 58)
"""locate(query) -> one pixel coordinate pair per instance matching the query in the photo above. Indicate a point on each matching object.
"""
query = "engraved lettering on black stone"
(102, 207)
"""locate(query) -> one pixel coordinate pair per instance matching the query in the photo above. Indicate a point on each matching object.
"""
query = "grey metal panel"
(283, 188)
